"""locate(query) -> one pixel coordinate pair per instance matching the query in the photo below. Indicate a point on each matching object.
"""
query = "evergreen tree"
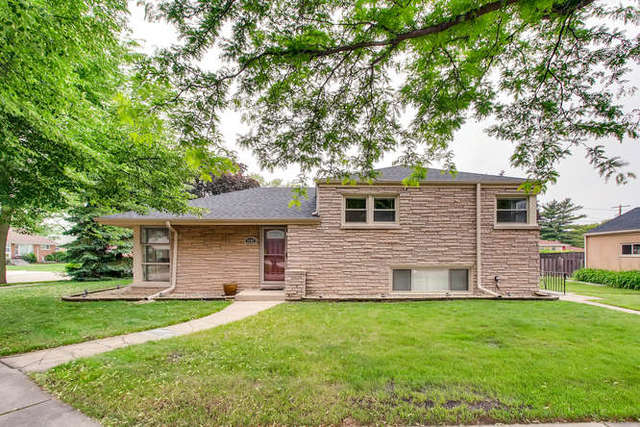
(99, 251)
(576, 233)
(557, 218)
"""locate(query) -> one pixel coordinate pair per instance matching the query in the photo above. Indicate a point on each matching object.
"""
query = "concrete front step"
(260, 295)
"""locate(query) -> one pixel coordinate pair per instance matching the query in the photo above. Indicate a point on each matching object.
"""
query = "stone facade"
(296, 281)
(437, 228)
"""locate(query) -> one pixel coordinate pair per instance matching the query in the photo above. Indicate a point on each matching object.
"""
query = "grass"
(53, 267)
(626, 298)
(372, 363)
(35, 317)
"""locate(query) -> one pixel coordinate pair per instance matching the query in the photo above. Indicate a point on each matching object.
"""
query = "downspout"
(479, 242)
(174, 263)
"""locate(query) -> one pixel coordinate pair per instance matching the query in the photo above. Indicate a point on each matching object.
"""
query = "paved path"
(584, 299)
(20, 276)
(22, 403)
(44, 359)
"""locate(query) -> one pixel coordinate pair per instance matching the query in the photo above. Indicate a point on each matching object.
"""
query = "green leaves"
(332, 86)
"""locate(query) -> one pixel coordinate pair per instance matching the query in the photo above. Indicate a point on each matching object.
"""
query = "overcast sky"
(474, 150)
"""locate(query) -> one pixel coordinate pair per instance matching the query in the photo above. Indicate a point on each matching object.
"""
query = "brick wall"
(209, 256)
(43, 252)
(437, 229)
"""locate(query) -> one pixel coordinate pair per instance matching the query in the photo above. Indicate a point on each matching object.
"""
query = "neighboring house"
(19, 244)
(615, 245)
(555, 245)
(466, 235)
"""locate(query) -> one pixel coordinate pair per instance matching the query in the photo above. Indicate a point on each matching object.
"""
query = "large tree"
(557, 219)
(76, 123)
(334, 85)
(223, 183)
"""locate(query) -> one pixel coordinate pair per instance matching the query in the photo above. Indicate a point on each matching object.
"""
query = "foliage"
(372, 364)
(30, 258)
(59, 256)
(617, 279)
(36, 317)
(224, 183)
(76, 123)
(98, 251)
(575, 236)
(334, 85)
(556, 219)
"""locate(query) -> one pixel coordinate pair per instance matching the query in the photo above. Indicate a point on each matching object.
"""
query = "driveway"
(20, 276)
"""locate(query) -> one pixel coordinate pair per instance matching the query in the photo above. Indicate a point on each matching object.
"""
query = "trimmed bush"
(616, 279)
(30, 258)
(55, 257)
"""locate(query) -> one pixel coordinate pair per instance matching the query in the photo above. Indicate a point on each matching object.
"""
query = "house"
(615, 245)
(555, 245)
(20, 244)
(465, 235)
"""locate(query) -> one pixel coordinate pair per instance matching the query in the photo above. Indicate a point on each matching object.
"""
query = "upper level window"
(155, 254)
(45, 247)
(384, 209)
(370, 210)
(631, 249)
(512, 210)
(355, 209)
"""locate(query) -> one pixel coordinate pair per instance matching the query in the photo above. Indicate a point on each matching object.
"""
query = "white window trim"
(632, 255)
(370, 224)
(532, 221)
(468, 267)
(143, 263)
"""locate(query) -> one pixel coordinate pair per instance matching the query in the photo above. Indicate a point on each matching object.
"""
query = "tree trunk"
(5, 218)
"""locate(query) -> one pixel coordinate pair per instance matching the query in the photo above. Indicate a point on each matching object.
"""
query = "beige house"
(615, 245)
(468, 235)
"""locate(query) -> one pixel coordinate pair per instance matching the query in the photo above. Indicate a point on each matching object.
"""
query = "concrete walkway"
(44, 359)
(585, 299)
(22, 403)
(21, 276)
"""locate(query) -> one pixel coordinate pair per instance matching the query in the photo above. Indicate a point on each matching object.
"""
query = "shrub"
(55, 257)
(30, 258)
(616, 279)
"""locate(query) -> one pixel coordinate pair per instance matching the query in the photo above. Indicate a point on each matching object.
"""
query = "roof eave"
(131, 222)
(429, 182)
(598, 233)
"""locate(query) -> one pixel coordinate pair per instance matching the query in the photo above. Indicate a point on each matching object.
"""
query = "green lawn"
(35, 317)
(627, 298)
(372, 363)
(55, 267)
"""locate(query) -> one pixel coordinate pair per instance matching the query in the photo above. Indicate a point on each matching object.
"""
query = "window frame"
(370, 210)
(531, 215)
(631, 255)
(449, 268)
(143, 253)
(45, 247)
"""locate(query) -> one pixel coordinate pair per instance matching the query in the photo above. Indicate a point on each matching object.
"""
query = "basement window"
(156, 265)
(423, 280)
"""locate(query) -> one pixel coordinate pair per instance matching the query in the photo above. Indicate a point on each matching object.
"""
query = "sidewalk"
(21, 276)
(584, 299)
(44, 359)
(22, 403)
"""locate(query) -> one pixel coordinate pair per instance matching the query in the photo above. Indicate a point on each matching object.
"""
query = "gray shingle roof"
(627, 221)
(262, 203)
(398, 173)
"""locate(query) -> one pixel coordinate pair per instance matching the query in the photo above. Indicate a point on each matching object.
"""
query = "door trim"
(271, 284)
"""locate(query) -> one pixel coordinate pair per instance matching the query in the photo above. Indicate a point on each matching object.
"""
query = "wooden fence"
(561, 262)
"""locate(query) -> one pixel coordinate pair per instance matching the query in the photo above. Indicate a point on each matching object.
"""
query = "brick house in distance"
(20, 244)
(471, 235)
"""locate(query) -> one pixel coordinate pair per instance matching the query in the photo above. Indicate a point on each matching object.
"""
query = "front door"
(273, 258)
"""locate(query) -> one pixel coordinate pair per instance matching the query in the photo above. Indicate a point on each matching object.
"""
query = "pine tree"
(99, 251)
(557, 219)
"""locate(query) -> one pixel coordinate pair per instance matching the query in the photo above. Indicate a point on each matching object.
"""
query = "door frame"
(271, 284)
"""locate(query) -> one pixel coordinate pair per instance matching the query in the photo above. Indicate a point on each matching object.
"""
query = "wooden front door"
(273, 254)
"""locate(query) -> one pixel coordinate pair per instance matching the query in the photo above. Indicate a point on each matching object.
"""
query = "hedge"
(616, 279)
